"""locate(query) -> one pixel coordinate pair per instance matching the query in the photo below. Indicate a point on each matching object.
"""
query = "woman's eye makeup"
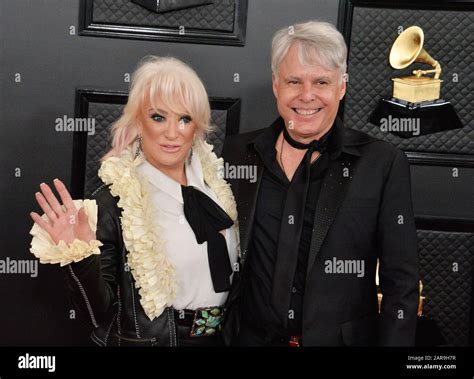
(157, 117)
(185, 119)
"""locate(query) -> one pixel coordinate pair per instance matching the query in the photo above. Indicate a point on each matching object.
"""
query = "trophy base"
(408, 120)
(414, 89)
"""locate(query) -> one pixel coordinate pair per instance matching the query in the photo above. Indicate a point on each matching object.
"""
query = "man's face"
(307, 96)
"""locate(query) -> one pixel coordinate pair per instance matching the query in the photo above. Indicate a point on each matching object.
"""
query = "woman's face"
(167, 136)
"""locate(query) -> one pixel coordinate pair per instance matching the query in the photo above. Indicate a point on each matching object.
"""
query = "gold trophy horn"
(407, 49)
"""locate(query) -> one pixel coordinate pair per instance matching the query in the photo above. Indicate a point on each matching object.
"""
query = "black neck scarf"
(292, 226)
(316, 145)
(206, 219)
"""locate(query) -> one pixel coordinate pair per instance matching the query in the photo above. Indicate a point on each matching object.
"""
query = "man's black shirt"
(257, 309)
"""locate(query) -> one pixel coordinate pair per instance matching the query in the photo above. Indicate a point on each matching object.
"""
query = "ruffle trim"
(153, 273)
(44, 248)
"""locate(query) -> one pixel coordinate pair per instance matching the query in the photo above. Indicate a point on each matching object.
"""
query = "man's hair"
(318, 42)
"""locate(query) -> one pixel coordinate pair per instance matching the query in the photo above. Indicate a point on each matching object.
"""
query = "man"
(328, 203)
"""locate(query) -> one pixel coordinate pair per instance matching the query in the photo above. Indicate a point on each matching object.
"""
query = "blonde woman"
(150, 257)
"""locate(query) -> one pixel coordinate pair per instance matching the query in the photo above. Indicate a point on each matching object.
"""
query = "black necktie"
(292, 226)
(206, 219)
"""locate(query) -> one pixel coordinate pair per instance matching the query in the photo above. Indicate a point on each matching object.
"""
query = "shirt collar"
(161, 181)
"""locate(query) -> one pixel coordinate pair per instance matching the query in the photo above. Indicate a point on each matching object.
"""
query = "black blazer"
(364, 212)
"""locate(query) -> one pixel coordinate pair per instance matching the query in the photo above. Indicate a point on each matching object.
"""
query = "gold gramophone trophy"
(415, 107)
(407, 49)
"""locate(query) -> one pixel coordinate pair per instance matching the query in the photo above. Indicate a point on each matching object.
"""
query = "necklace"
(281, 154)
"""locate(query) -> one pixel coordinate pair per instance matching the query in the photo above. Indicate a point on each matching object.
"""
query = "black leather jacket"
(102, 288)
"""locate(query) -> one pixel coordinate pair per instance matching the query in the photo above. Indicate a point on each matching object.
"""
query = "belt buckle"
(207, 321)
(294, 341)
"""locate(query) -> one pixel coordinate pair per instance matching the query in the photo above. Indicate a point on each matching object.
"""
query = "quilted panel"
(218, 16)
(447, 291)
(447, 39)
(98, 144)
(218, 134)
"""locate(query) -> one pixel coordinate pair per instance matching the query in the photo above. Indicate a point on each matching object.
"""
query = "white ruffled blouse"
(189, 259)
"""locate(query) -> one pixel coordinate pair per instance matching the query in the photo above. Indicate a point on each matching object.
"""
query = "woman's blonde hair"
(177, 86)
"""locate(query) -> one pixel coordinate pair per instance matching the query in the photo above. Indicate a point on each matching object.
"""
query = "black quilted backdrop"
(217, 137)
(447, 291)
(98, 144)
(218, 16)
(448, 38)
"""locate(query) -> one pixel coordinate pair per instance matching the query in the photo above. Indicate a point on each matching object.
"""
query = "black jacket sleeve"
(397, 250)
(92, 282)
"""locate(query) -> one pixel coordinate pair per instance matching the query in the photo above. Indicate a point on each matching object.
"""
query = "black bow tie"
(206, 219)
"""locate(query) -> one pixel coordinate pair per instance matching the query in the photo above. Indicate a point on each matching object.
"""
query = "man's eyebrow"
(323, 78)
(316, 79)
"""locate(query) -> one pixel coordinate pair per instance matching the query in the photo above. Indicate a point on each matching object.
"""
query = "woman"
(150, 258)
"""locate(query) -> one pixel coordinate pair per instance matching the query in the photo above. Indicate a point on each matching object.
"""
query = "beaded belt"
(203, 321)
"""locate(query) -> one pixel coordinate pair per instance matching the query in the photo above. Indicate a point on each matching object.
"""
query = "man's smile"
(306, 112)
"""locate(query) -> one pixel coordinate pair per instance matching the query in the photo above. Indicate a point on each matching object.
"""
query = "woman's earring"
(139, 145)
(191, 151)
(190, 156)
